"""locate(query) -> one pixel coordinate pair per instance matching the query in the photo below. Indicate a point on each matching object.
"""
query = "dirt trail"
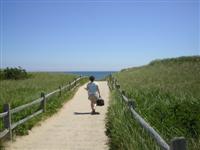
(72, 128)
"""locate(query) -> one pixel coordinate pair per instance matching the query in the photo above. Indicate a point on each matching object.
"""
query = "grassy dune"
(167, 96)
(19, 92)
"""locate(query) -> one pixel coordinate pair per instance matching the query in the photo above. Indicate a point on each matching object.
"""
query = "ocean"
(99, 75)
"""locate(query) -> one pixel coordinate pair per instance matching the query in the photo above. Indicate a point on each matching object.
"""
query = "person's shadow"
(86, 113)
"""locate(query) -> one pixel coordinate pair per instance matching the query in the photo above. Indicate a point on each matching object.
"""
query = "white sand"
(67, 131)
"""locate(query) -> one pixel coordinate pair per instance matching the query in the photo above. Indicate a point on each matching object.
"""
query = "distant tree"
(13, 73)
(1, 74)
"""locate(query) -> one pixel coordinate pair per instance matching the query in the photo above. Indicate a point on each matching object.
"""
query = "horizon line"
(73, 71)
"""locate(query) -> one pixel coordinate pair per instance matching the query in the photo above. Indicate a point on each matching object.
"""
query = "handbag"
(100, 102)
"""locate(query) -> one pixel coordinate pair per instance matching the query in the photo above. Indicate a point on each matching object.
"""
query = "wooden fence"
(177, 143)
(8, 112)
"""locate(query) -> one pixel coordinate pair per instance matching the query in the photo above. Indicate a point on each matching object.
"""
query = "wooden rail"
(177, 143)
(3, 114)
(8, 112)
(17, 109)
(4, 133)
(26, 119)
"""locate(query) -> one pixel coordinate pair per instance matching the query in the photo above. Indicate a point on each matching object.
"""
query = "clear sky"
(63, 35)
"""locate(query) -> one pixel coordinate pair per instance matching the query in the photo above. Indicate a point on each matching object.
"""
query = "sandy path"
(67, 130)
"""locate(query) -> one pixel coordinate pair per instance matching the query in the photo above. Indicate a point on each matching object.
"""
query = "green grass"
(124, 133)
(19, 92)
(167, 96)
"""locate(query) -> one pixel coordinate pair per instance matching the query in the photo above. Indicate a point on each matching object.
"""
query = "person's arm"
(86, 88)
(98, 91)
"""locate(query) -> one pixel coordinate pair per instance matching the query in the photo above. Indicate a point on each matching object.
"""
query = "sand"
(72, 128)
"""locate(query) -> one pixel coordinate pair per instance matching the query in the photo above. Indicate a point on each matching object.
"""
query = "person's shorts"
(92, 98)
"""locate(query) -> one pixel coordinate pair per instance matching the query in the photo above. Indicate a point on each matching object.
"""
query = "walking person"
(93, 93)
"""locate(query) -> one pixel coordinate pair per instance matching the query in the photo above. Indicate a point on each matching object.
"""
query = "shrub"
(13, 73)
(1, 75)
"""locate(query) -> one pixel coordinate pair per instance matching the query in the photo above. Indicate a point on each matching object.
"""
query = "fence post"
(7, 120)
(109, 80)
(115, 81)
(43, 102)
(123, 92)
(69, 86)
(110, 77)
(118, 86)
(131, 103)
(178, 143)
(112, 83)
(60, 92)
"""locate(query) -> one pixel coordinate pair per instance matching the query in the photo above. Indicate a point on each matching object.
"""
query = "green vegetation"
(13, 73)
(123, 131)
(168, 98)
(19, 92)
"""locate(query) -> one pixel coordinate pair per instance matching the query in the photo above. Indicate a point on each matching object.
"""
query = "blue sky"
(50, 35)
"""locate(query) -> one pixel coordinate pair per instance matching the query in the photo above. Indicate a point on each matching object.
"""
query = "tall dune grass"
(19, 92)
(167, 96)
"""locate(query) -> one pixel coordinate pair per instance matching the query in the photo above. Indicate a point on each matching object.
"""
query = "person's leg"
(93, 103)
(92, 106)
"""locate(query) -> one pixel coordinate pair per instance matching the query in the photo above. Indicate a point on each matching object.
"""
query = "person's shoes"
(94, 113)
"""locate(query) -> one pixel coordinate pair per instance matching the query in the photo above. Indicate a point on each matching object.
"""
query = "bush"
(13, 73)
(1, 75)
